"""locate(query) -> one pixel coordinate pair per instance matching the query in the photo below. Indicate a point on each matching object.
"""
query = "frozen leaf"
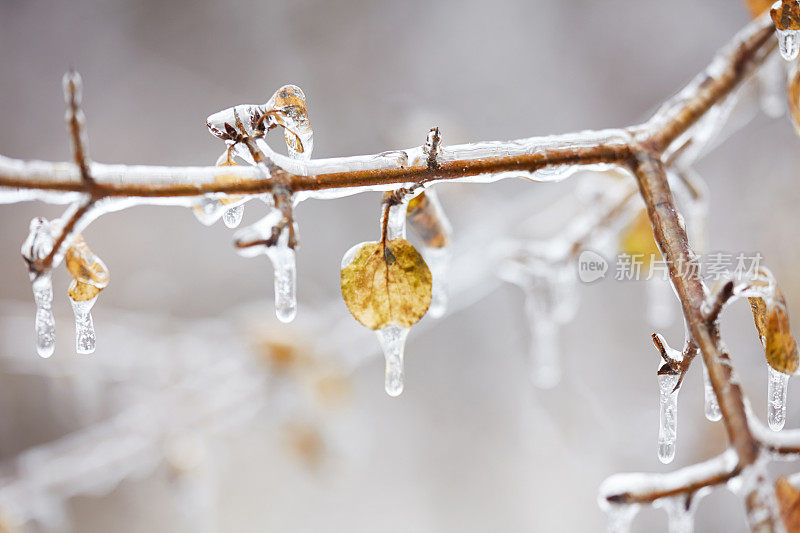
(787, 15)
(789, 504)
(387, 284)
(85, 268)
(637, 239)
(422, 216)
(287, 108)
(772, 323)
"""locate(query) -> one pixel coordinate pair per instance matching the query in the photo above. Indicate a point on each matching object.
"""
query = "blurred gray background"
(470, 446)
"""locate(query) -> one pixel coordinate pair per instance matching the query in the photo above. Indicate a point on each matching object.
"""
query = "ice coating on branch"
(788, 43)
(393, 343)
(711, 409)
(778, 386)
(85, 338)
(270, 236)
(37, 246)
(755, 484)
(550, 288)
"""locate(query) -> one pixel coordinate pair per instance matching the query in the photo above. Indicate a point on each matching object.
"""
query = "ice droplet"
(777, 388)
(233, 216)
(37, 245)
(393, 342)
(668, 417)
(788, 43)
(438, 260)
(712, 410)
(85, 339)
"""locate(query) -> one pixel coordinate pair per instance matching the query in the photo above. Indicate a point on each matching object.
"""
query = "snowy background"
(470, 446)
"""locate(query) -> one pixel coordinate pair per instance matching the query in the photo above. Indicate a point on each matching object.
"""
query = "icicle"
(680, 514)
(550, 301)
(284, 264)
(620, 516)
(38, 244)
(668, 417)
(393, 342)
(776, 398)
(85, 338)
(280, 254)
(233, 216)
(545, 360)
(788, 43)
(89, 277)
(712, 410)
(45, 321)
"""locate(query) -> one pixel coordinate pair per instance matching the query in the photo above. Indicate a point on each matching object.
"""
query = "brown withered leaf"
(386, 285)
(757, 7)
(789, 504)
(787, 16)
(772, 324)
(637, 239)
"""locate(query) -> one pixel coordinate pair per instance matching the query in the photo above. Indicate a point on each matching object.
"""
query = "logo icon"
(591, 266)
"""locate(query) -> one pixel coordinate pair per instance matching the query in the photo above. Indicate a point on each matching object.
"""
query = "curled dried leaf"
(789, 504)
(422, 218)
(288, 109)
(637, 239)
(85, 267)
(387, 284)
(772, 324)
(787, 15)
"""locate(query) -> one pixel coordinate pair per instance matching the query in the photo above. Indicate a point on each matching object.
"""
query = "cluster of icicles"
(89, 277)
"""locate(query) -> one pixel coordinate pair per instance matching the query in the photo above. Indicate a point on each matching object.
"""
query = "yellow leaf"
(387, 285)
(89, 273)
(772, 323)
(82, 292)
(637, 239)
(789, 504)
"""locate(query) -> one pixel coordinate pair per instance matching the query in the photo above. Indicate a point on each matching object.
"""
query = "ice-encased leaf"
(386, 284)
